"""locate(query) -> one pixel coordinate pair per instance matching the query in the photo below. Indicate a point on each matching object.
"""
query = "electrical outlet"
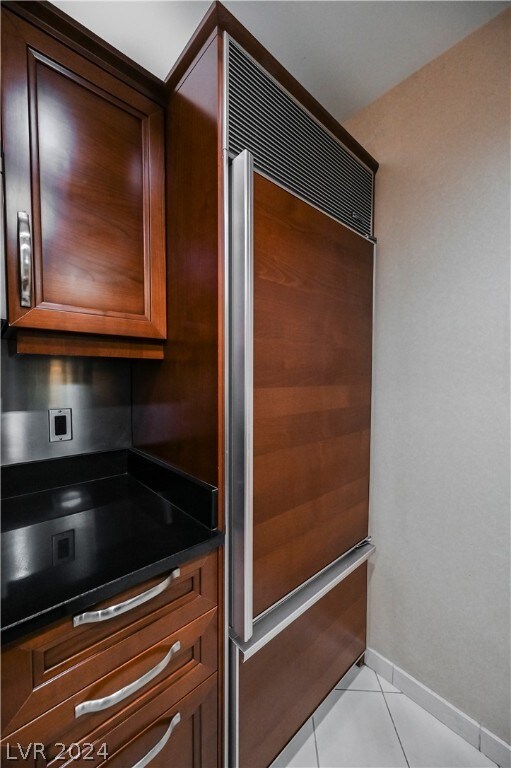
(63, 546)
(60, 424)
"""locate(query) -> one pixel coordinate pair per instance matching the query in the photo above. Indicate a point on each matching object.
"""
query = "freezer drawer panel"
(312, 338)
(283, 683)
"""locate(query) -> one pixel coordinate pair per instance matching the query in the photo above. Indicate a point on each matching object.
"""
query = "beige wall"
(440, 517)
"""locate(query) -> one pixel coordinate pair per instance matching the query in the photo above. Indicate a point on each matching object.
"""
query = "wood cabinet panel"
(90, 177)
(84, 157)
(79, 38)
(130, 736)
(192, 743)
(186, 385)
(313, 301)
(283, 683)
(30, 342)
(49, 666)
(195, 661)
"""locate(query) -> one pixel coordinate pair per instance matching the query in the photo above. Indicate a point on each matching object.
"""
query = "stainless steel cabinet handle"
(159, 746)
(91, 617)
(25, 257)
(96, 705)
(241, 388)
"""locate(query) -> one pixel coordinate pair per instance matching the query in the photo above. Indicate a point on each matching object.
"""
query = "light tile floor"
(366, 722)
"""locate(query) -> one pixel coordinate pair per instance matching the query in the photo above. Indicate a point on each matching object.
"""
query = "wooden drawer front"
(192, 742)
(194, 662)
(283, 683)
(32, 679)
(130, 737)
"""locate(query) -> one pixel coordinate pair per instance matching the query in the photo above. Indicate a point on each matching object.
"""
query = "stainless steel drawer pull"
(25, 258)
(96, 705)
(91, 617)
(159, 746)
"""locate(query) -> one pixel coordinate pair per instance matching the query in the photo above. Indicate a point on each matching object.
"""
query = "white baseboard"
(494, 748)
(379, 664)
(473, 732)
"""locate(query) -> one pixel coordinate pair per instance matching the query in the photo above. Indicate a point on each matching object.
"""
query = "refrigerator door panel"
(275, 621)
(312, 337)
(279, 687)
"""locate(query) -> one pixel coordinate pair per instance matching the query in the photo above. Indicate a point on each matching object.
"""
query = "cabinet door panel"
(313, 281)
(91, 202)
(84, 157)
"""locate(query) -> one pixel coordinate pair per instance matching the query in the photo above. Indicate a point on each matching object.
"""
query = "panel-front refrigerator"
(300, 298)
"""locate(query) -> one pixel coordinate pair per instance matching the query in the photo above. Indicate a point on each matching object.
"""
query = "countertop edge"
(88, 599)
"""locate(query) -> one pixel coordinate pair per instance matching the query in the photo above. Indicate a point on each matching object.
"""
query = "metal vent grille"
(289, 146)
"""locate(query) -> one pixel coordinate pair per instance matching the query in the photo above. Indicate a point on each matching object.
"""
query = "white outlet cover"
(68, 434)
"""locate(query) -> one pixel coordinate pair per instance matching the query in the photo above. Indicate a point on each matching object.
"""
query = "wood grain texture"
(284, 682)
(67, 30)
(53, 666)
(131, 735)
(176, 407)
(71, 344)
(312, 390)
(92, 242)
(199, 41)
(59, 724)
(192, 743)
(219, 17)
(223, 607)
(84, 156)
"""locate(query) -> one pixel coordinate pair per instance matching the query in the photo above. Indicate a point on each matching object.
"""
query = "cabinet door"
(84, 159)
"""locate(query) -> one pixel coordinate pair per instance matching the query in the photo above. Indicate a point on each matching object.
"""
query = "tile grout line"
(424, 702)
(392, 719)
(315, 741)
(357, 690)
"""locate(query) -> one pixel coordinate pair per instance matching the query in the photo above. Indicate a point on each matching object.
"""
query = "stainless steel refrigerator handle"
(275, 620)
(96, 705)
(241, 386)
(91, 617)
(159, 746)
(25, 258)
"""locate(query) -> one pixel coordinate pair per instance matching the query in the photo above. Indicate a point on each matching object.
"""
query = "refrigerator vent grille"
(291, 147)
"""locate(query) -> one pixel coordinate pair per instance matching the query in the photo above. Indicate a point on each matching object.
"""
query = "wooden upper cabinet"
(84, 158)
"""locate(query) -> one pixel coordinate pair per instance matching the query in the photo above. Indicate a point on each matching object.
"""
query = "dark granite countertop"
(79, 530)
